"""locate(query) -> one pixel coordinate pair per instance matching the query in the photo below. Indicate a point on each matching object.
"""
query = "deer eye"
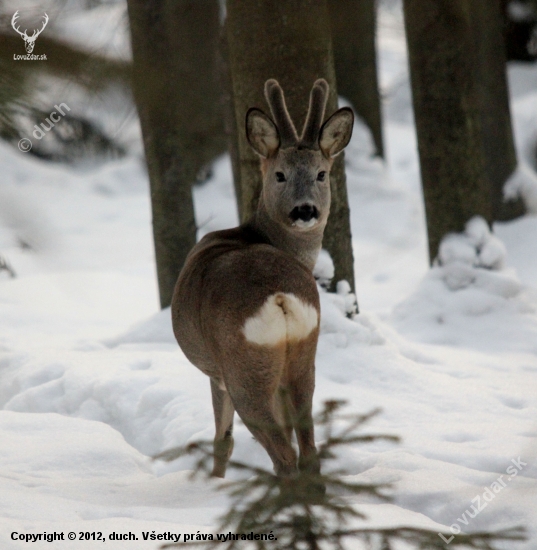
(280, 177)
(321, 175)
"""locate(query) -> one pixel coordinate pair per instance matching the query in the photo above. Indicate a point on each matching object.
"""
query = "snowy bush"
(468, 287)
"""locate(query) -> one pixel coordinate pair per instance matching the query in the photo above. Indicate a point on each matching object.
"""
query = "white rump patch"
(282, 317)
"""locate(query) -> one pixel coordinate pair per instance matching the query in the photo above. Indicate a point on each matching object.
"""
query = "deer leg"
(308, 459)
(258, 412)
(265, 428)
(285, 411)
(301, 369)
(223, 418)
(301, 393)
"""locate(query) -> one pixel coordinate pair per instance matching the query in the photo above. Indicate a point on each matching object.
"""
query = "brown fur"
(227, 278)
(276, 101)
(318, 98)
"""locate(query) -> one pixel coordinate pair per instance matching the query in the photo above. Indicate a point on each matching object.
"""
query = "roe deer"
(246, 307)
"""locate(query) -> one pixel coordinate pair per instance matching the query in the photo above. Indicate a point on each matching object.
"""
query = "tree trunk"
(448, 119)
(493, 97)
(289, 41)
(230, 120)
(353, 35)
(174, 45)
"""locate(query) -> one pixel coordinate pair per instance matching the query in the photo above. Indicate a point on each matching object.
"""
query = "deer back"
(236, 290)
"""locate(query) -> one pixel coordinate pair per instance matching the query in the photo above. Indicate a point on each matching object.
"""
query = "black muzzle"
(304, 212)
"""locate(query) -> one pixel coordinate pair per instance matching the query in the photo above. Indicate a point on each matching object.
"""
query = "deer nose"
(305, 212)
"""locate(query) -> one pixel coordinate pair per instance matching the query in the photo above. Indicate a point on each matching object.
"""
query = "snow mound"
(76, 454)
(156, 329)
(337, 326)
(150, 395)
(469, 297)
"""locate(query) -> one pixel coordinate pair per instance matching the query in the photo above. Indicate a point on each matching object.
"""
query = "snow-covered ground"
(92, 382)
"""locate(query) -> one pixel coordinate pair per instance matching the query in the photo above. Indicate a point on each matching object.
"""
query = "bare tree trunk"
(493, 102)
(353, 35)
(448, 120)
(176, 89)
(232, 127)
(289, 41)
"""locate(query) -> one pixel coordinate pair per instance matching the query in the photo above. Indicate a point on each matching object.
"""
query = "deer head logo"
(29, 41)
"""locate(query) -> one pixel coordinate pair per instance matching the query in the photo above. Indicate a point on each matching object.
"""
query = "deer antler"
(314, 119)
(13, 21)
(38, 32)
(276, 101)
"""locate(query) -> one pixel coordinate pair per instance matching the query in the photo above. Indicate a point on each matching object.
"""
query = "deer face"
(296, 188)
(296, 171)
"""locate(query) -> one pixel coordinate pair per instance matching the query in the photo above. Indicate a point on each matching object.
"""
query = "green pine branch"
(303, 518)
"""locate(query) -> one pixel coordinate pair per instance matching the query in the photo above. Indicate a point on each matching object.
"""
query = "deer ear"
(336, 132)
(261, 133)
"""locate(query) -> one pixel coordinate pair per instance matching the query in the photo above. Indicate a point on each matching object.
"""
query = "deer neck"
(304, 246)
